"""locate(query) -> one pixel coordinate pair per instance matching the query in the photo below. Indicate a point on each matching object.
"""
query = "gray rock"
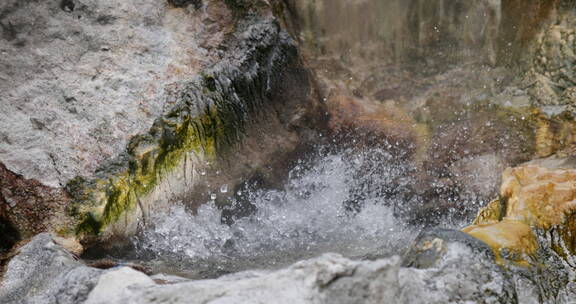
(326, 279)
(44, 272)
(78, 81)
(117, 284)
(140, 99)
(451, 266)
(461, 271)
(432, 248)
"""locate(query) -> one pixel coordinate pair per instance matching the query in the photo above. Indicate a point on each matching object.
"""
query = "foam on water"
(311, 215)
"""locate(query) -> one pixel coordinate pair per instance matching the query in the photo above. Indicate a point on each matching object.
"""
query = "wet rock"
(211, 126)
(531, 227)
(431, 248)
(117, 284)
(537, 194)
(510, 240)
(44, 272)
(305, 282)
(461, 269)
(450, 266)
(149, 111)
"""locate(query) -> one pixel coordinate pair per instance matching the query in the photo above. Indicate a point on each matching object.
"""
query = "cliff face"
(80, 78)
(479, 84)
(144, 101)
(119, 107)
(110, 111)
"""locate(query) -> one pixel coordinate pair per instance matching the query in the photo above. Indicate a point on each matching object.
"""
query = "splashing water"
(318, 211)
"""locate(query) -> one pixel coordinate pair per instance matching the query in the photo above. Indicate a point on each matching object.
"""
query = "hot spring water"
(347, 201)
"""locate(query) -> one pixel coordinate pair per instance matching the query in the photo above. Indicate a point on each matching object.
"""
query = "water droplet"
(224, 188)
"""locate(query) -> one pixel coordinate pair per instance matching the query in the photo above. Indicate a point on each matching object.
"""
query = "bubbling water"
(343, 202)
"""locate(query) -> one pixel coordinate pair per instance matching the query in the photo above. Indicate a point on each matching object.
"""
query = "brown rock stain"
(513, 240)
(532, 197)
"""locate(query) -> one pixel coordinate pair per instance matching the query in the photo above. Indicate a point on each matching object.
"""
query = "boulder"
(530, 227)
(442, 266)
(44, 272)
(446, 266)
(538, 195)
(111, 110)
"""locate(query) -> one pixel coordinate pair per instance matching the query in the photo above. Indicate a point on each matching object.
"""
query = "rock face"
(142, 99)
(551, 77)
(449, 266)
(442, 78)
(100, 70)
(443, 266)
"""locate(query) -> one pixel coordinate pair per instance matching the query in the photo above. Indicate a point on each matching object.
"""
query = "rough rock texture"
(537, 195)
(479, 85)
(551, 79)
(530, 227)
(24, 207)
(448, 266)
(443, 266)
(100, 70)
(209, 115)
(44, 272)
(147, 102)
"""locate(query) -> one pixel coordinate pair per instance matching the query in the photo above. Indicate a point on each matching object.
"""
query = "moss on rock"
(208, 118)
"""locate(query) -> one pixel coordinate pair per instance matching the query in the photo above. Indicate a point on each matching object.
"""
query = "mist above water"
(349, 201)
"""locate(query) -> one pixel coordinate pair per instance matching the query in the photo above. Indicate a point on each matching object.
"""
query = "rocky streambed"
(279, 151)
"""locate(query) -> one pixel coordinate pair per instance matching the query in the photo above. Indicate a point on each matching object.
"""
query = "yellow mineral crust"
(492, 213)
(531, 196)
(512, 240)
(538, 196)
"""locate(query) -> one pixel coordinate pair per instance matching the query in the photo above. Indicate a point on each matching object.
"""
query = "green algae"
(209, 117)
(120, 192)
(119, 184)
